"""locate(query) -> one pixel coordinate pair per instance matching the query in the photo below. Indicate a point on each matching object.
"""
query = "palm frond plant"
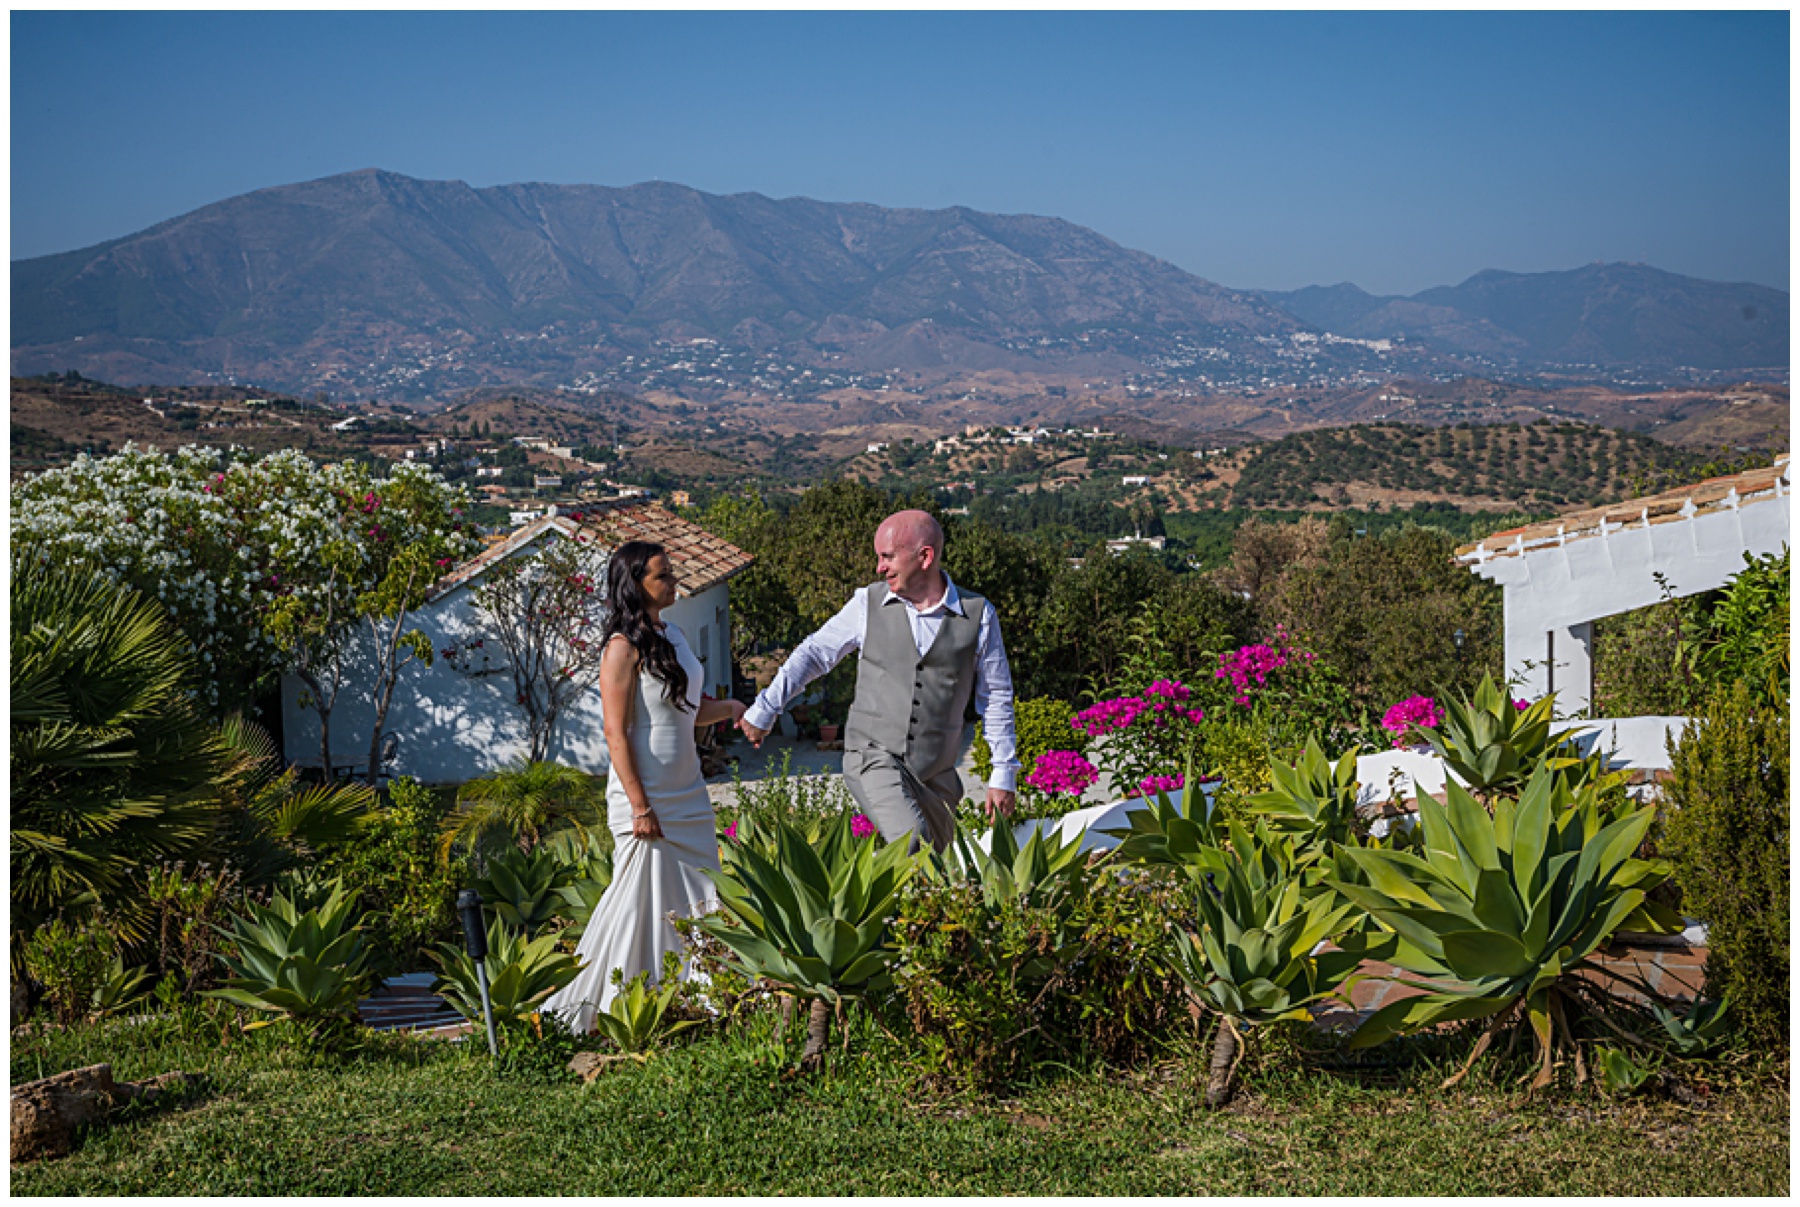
(1494, 746)
(1497, 914)
(308, 965)
(1253, 958)
(811, 920)
(112, 762)
(274, 822)
(521, 973)
(519, 804)
(523, 889)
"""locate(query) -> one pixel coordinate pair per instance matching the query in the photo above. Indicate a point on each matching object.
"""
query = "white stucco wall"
(453, 726)
(1554, 593)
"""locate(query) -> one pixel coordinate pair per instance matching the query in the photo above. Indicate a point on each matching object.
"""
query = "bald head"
(908, 547)
(914, 529)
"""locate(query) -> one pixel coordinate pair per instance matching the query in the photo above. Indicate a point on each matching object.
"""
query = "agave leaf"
(1414, 1013)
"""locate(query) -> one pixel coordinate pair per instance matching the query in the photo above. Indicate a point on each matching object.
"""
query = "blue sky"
(1266, 150)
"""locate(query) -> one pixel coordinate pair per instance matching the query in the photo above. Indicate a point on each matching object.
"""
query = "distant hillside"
(1602, 314)
(454, 287)
(1531, 466)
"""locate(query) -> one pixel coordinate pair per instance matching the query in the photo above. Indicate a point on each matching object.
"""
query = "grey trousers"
(900, 804)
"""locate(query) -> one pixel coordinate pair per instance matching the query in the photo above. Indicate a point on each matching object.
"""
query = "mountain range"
(400, 288)
(1601, 314)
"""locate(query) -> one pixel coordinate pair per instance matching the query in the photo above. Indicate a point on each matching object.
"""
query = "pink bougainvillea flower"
(731, 831)
(1151, 785)
(1420, 711)
(860, 826)
(1062, 773)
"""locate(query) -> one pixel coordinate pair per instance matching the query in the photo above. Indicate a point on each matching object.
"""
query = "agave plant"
(1622, 1075)
(120, 989)
(307, 965)
(521, 973)
(1697, 1031)
(811, 920)
(591, 865)
(1048, 868)
(1254, 959)
(523, 888)
(1166, 834)
(1314, 799)
(1494, 745)
(1500, 912)
(633, 1021)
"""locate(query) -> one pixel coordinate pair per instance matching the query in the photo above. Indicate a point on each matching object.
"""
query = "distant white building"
(1136, 480)
(344, 425)
(1126, 542)
(879, 446)
(547, 481)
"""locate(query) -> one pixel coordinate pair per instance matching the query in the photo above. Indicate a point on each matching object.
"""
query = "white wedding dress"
(652, 878)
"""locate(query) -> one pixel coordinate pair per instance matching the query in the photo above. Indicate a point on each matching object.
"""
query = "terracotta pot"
(828, 733)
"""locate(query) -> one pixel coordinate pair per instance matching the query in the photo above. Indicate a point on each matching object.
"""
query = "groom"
(926, 648)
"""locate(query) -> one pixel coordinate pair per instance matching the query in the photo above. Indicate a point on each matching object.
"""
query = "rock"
(589, 1065)
(47, 1113)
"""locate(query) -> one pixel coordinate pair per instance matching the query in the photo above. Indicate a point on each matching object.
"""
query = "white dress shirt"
(845, 632)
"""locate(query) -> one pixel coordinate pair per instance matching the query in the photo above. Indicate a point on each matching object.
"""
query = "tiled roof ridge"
(1679, 503)
(701, 559)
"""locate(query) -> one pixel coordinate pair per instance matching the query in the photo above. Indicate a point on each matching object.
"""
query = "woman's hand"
(645, 825)
(738, 709)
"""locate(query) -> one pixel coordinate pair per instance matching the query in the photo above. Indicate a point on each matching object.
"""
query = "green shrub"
(786, 797)
(1638, 667)
(1727, 835)
(393, 868)
(1035, 957)
(187, 909)
(1746, 636)
(70, 961)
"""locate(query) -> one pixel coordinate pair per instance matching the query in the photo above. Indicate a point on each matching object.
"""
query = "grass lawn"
(715, 1117)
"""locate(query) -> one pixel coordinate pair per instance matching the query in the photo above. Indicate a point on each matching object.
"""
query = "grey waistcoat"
(907, 705)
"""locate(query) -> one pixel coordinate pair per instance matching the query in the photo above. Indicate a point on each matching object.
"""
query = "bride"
(656, 800)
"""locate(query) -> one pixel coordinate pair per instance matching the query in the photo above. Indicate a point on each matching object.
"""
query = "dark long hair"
(628, 612)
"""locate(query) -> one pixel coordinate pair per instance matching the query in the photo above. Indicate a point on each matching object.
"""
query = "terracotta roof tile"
(700, 559)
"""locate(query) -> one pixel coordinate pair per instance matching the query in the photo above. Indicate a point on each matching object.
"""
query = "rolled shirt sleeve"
(994, 702)
(834, 641)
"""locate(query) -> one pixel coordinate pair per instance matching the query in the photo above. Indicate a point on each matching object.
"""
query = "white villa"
(452, 726)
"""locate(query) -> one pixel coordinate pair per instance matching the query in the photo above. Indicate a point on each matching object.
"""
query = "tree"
(415, 534)
(1083, 627)
(543, 612)
(827, 549)
(763, 612)
(1385, 611)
